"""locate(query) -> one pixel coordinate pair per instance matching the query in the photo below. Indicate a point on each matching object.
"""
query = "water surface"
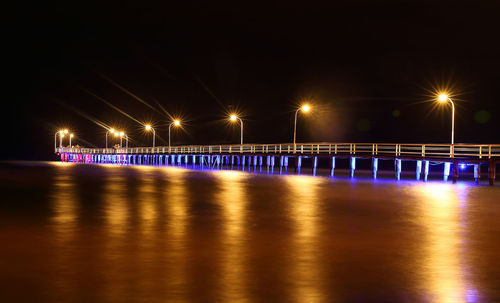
(82, 233)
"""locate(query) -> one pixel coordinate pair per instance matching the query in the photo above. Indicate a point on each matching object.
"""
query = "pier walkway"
(451, 156)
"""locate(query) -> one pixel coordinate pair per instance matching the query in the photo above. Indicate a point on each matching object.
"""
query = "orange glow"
(305, 108)
(442, 215)
(443, 98)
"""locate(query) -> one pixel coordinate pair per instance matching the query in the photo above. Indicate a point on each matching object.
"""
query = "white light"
(442, 98)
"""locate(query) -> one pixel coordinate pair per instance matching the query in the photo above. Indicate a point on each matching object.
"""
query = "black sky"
(360, 63)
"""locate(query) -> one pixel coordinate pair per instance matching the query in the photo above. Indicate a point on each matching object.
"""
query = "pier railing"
(479, 151)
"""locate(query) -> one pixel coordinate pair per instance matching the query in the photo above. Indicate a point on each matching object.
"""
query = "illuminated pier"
(450, 156)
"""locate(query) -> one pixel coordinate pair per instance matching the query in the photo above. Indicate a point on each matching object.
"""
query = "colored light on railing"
(462, 166)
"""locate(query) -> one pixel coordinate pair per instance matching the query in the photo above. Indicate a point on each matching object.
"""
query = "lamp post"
(60, 132)
(176, 123)
(305, 108)
(111, 130)
(70, 136)
(61, 135)
(126, 140)
(233, 117)
(55, 140)
(121, 137)
(444, 98)
(150, 128)
(116, 135)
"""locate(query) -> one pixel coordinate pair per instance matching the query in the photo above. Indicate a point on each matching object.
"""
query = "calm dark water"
(77, 233)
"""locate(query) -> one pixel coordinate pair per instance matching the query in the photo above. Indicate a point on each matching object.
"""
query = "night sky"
(368, 68)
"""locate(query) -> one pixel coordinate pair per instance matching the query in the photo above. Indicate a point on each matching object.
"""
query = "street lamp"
(70, 136)
(61, 135)
(305, 108)
(176, 123)
(111, 130)
(233, 117)
(60, 132)
(116, 134)
(150, 128)
(444, 98)
(121, 137)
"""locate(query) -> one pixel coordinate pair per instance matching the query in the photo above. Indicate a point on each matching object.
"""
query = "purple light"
(462, 166)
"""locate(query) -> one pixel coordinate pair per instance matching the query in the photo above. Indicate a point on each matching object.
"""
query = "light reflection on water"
(64, 224)
(171, 234)
(65, 205)
(443, 210)
(231, 199)
(305, 276)
(175, 208)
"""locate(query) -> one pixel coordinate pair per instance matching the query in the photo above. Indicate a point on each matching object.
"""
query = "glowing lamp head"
(177, 122)
(442, 98)
(71, 136)
(66, 131)
(305, 108)
(116, 134)
(148, 127)
(61, 132)
(233, 117)
(112, 130)
(121, 134)
(62, 135)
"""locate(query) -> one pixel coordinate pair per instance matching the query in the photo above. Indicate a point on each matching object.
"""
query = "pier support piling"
(352, 166)
(477, 173)
(374, 167)
(419, 169)
(455, 171)
(332, 166)
(398, 169)
(492, 172)
(298, 164)
(426, 170)
(315, 164)
(446, 171)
